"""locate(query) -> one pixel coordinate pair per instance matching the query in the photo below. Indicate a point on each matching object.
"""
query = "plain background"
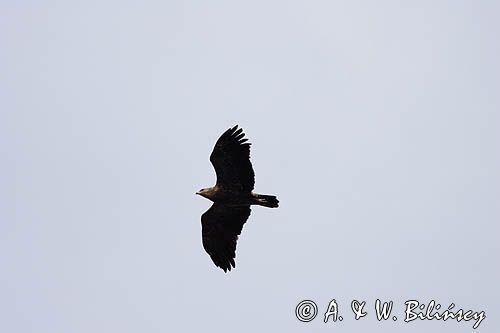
(376, 123)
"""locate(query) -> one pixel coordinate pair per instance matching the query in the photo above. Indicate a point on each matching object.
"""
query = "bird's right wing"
(231, 160)
(221, 226)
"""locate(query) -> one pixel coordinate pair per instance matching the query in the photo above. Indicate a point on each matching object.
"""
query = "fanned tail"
(266, 200)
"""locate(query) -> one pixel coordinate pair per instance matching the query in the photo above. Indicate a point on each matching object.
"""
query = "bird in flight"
(232, 196)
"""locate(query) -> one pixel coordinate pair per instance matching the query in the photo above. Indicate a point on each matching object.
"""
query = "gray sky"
(375, 123)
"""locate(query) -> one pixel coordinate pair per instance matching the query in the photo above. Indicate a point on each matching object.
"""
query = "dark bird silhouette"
(232, 196)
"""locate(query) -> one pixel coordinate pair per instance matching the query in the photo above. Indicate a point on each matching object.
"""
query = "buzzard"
(232, 196)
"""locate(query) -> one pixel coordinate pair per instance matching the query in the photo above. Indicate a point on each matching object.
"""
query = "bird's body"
(236, 198)
(232, 196)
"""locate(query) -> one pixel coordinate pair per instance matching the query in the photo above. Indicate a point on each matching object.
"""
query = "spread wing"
(221, 226)
(231, 160)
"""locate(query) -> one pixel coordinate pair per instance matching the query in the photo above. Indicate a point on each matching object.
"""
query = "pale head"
(205, 192)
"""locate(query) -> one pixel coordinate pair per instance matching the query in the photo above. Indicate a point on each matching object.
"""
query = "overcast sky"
(376, 123)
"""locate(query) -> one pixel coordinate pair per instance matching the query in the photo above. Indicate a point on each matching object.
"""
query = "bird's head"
(204, 192)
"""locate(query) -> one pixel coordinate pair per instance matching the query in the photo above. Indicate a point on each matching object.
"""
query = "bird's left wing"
(231, 160)
(221, 226)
